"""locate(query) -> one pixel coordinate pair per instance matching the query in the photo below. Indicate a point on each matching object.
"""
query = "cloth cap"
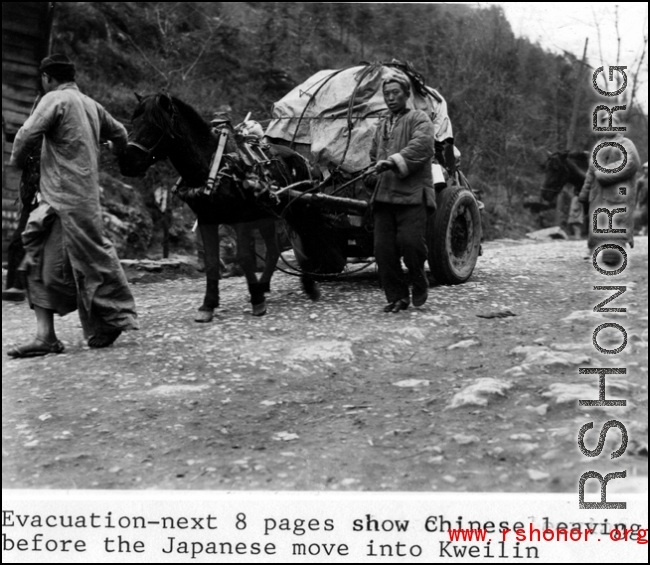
(58, 66)
(399, 78)
(219, 118)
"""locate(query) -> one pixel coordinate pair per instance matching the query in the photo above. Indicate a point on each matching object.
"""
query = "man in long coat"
(402, 150)
(612, 190)
(70, 264)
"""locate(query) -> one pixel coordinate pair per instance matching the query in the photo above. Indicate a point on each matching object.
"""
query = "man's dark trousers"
(400, 231)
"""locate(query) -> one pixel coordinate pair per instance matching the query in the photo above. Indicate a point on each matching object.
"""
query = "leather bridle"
(150, 152)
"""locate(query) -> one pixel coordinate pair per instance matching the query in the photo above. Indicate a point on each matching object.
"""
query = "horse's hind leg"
(267, 230)
(246, 260)
(210, 236)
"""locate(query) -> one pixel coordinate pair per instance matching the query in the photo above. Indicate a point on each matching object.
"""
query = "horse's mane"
(161, 108)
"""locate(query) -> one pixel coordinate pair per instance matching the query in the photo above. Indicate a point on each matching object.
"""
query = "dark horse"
(562, 168)
(164, 127)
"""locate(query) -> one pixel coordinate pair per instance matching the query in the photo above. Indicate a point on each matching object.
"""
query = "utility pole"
(576, 100)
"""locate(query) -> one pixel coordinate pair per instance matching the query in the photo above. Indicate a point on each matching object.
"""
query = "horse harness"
(151, 152)
(249, 165)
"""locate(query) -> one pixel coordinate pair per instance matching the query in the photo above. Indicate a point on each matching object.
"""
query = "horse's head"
(153, 127)
(556, 175)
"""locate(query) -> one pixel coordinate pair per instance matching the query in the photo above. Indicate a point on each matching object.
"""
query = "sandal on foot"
(37, 348)
(104, 339)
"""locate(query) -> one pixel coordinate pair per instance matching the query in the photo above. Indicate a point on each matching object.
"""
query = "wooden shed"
(26, 32)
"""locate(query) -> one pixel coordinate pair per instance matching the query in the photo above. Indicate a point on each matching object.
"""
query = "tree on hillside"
(509, 99)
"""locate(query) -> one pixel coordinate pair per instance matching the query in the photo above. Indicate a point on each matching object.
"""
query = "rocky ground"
(476, 391)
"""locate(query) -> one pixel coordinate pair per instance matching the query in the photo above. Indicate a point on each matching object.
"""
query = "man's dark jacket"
(410, 146)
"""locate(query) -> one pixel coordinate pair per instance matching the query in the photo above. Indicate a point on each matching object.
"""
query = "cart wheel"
(454, 236)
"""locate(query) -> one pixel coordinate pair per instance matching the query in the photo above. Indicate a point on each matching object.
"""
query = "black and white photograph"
(324, 282)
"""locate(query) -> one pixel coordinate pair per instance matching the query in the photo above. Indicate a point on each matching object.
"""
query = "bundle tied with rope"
(332, 115)
(332, 118)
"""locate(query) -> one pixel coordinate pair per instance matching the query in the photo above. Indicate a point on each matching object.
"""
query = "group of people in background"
(629, 188)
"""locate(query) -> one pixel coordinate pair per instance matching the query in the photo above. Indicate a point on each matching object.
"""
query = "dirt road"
(337, 395)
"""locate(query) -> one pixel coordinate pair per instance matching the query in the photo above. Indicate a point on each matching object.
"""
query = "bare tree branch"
(198, 57)
(144, 56)
(168, 10)
(618, 36)
(600, 43)
(639, 63)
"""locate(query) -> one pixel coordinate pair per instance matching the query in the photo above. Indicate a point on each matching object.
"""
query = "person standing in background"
(612, 190)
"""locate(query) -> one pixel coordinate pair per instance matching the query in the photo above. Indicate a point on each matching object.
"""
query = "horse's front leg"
(268, 232)
(210, 236)
(246, 260)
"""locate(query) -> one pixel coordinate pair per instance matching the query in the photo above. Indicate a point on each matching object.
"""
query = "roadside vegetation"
(510, 101)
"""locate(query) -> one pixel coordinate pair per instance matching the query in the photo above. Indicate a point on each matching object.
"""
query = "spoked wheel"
(454, 236)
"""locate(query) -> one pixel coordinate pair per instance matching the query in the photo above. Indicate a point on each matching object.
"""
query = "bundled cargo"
(332, 115)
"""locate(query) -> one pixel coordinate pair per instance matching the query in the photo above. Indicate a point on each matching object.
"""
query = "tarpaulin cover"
(335, 113)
